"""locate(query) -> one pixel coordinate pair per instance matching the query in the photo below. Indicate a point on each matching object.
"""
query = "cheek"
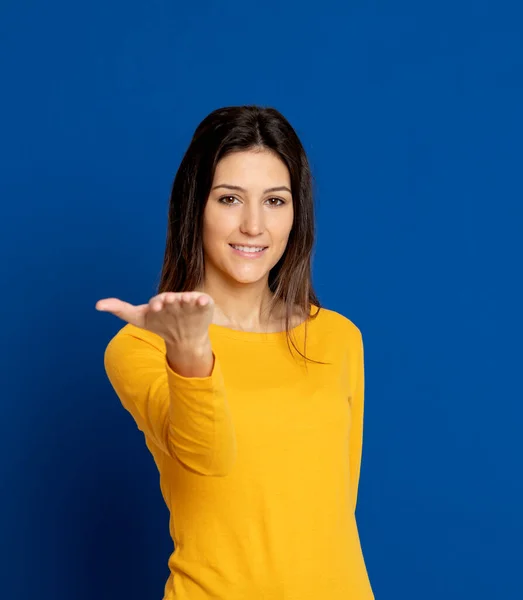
(218, 222)
(215, 237)
(281, 228)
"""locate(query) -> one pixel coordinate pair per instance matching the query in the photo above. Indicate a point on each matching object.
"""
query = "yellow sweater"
(259, 463)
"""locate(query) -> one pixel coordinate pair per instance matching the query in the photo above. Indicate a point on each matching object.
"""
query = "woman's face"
(250, 214)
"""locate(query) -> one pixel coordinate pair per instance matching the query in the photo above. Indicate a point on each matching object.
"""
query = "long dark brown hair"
(234, 129)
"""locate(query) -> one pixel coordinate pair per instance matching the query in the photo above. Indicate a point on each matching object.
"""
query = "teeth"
(247, 248)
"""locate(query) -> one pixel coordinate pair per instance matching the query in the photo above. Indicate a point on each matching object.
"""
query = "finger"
(181, 298)
(108, 304)
(189, 298)
(165, 299)
(156, 303)
(170, 299)
(196, 298)
(203, 300)
(124, 310)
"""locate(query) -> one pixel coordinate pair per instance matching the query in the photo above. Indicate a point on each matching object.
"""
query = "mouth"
(253, 253)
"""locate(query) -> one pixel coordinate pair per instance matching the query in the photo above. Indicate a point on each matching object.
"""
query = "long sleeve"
(356, 433)
(187, 417)
(280, 523)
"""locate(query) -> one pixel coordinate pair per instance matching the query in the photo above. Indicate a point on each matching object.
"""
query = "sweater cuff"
(212, 381)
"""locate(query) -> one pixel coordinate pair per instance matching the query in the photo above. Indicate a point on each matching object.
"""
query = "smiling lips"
(248, 251)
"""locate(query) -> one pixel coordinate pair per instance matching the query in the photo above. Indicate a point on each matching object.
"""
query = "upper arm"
(357, 412)
(136, 370)
(188, 418)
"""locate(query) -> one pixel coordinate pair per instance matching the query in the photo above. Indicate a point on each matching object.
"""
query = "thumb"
(124, 310)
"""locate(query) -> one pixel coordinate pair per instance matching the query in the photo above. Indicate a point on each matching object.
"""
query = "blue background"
(412, 118)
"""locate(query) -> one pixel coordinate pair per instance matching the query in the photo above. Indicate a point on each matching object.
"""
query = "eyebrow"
(281, 188)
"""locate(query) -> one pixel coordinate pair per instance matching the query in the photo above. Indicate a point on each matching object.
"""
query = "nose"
(252, 220)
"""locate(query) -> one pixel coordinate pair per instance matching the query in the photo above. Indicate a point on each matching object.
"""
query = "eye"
(279, 200)
(223, 200)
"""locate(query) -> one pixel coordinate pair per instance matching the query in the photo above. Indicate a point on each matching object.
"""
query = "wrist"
(190, 360)
(193, 348)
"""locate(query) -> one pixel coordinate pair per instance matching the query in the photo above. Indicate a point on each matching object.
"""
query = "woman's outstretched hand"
(180, 318)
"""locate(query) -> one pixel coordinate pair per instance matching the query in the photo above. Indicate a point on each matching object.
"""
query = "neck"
(248, 308)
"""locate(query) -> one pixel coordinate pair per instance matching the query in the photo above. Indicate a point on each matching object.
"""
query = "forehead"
(249, 167)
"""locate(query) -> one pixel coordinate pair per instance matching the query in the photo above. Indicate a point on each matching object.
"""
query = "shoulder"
(336, 321)
(131, 352)
(130, 336)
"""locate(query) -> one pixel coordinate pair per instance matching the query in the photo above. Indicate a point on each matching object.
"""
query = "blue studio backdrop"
(411, 114)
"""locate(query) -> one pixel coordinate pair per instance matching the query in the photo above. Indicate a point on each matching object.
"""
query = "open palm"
(180, 317)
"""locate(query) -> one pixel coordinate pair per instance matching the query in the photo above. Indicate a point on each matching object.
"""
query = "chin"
(248, 278)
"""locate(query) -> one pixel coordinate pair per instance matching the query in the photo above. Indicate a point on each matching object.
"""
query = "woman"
(258, 445)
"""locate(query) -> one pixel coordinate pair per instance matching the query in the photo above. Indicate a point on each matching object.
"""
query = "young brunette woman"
(248, 392)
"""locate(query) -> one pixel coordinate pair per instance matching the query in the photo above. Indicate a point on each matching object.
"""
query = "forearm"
(190, 360)
(182, 408)
(201, 430)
